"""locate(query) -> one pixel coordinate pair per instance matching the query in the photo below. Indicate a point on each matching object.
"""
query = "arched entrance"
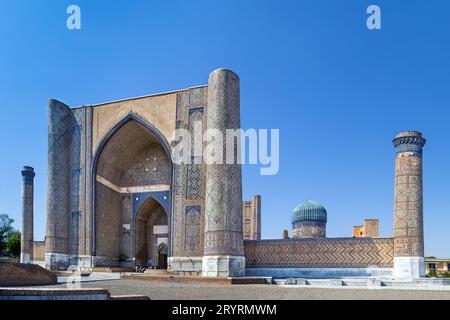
(134, 158)
(151, 237)
(162, 255)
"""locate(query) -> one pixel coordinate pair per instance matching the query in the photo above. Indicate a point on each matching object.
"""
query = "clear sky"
(337, 91)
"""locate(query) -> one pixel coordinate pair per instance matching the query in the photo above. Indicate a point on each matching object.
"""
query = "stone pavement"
(94, 276)
(187, 291)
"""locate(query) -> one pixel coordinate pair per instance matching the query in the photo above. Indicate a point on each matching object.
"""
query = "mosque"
(309, 220)
(116, 198)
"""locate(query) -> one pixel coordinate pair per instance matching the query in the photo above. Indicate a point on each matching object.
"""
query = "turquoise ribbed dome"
(309, 211)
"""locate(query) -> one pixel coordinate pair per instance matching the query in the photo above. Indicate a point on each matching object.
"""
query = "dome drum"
(309, 220)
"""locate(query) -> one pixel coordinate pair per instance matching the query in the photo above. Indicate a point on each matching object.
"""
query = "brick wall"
(17, 274)
(320, 253)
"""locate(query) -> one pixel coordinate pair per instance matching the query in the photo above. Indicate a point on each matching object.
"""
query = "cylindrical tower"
(223, 252)
(408, 206)
(57, 234)
(309, 220)
(26, 243)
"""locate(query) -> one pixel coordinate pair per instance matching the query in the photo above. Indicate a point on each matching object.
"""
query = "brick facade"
(251, 220)
(320, 253)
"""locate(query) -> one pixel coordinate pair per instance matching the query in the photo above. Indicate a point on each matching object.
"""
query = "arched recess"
(150, 234)
(133, 157)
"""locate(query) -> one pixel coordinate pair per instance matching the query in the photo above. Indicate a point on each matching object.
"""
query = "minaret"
(408, 206)
(26, 242)
(57, 233)
(224, 246)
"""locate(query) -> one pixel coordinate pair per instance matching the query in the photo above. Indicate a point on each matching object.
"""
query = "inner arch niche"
(133, 159)
(151, 235)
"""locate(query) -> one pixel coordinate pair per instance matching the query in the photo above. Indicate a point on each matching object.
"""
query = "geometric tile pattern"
(162, 197)
(75, 230)
(309, 229)
(68, 190)
(57, 232)
(408, 197)
(77, 187)
(189, 179)
(223, 205)
(194, 179)
(192, 227)
(320, 253)
(80, 158)
(196, 97)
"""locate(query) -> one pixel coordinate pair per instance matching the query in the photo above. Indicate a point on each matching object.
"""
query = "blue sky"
(337, 91)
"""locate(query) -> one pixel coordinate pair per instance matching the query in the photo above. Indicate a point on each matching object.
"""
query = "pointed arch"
(149, 213)
(157, 134)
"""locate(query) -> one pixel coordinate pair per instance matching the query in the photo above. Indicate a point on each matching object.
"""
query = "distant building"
(309, 220)
(434, 265)
(368, 230)
(251, 210)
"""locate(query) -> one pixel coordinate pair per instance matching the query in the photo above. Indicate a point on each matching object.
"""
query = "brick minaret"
(26, 243)
(408, 206)
(224, 247)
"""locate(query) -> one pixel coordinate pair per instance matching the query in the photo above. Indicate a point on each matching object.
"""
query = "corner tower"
(408, 206)
(224, 246)
(58, 184)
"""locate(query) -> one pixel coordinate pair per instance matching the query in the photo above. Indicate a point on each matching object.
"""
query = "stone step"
(53, 294)
(197, 279)
(111, 269)
(130, 297)
(157, 272)
(348, 282)
(174, 278)
(63, 294)
(187, 273)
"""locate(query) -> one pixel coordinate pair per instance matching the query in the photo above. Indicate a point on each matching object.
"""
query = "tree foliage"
(6, 229)
(13, 244)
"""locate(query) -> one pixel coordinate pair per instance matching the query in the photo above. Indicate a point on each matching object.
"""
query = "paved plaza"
(182, 291)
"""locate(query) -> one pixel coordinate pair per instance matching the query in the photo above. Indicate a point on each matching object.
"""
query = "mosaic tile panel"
(75, 223)
(195, 178)
(192, 227)
(408, 197)
(163, 197)
(88, 182)
(223, 204)
(80, 166)
(57, 232)
(77, 185)
(320, 253)
(189, 180)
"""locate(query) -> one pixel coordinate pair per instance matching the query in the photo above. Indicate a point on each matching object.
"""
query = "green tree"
(5, 230)
(433, 274)
(13, 244)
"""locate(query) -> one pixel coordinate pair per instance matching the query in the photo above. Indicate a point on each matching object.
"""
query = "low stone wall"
(319, 273)
(320, 253)
(185, 263)
(10, 260)
(18, 274)
(54, 294)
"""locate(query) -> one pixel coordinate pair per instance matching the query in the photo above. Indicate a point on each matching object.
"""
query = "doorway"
(151, 235)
